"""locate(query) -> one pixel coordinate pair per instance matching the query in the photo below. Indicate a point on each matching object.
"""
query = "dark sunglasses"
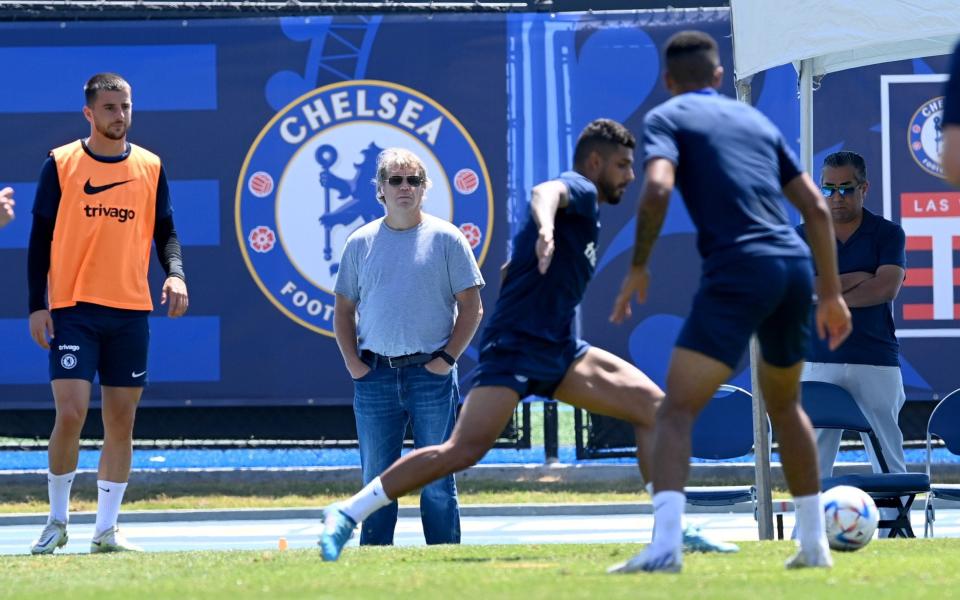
(413, 180)
(844, 191)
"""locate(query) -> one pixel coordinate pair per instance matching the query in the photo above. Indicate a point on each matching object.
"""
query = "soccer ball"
(851, 517)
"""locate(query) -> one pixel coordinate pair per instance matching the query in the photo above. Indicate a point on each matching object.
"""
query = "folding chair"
(830, 406)
(945, 424)
(724, 430)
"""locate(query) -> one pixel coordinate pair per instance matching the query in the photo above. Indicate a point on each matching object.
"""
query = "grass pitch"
(885, 569)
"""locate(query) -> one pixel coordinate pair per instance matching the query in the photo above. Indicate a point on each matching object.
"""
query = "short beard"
(611, 194)
(105, 132)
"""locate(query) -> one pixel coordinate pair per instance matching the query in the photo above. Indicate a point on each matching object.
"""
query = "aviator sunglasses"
(412, 180)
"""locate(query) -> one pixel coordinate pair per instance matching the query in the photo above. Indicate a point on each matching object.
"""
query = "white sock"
(109, 497)
(649, 488)
(667, 515)
(811, 529)
(366, 502)
(58, 490)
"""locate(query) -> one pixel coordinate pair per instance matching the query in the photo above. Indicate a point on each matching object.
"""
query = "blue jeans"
(385, 400)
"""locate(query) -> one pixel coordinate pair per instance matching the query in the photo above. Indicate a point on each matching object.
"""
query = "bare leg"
(608, 385)
(798, 454)
(798, 446)
(485, 413)
(692, 381)
(119, 411)
(72, 398)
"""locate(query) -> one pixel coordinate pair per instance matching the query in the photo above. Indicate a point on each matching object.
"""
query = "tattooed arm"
(657, 186)
(654, 197)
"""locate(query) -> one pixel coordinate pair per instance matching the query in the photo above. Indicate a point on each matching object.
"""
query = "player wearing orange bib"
(101, 203)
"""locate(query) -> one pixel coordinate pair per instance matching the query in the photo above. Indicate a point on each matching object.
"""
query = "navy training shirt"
(951, 105)
(732, 164)
(873, 340)
(542, 306)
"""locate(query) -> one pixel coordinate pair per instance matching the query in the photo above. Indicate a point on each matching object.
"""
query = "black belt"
(395, 362)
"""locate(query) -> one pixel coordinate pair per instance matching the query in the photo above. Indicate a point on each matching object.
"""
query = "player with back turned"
(733, 169)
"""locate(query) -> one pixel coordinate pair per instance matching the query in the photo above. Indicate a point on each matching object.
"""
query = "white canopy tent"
(820, 37)
(824, 36)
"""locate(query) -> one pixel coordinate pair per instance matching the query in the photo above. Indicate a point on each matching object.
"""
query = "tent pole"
(761, 430)
(806, 115)
(761, 449)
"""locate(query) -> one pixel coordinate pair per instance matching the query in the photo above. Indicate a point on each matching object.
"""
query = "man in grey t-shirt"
(407, 305)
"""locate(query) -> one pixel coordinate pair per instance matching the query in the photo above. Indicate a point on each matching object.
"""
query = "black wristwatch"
(445, 356)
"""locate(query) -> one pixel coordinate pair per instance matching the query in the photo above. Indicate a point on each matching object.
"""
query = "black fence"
(597, 436)
(307, 423)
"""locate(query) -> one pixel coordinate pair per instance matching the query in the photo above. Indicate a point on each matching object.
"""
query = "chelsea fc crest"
(307, 184)
(926, 136)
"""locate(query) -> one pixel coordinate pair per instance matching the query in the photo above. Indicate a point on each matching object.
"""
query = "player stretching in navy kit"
(733, 168)
(528, 347)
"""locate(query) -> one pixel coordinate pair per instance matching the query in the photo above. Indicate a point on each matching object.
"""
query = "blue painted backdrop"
(521, 85)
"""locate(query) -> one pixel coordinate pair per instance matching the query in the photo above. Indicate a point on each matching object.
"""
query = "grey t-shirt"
(404, 284)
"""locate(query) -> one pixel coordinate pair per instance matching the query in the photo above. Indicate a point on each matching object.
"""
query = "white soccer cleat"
(53, 536)
(651, 561)
(112, 540)
(810, 560)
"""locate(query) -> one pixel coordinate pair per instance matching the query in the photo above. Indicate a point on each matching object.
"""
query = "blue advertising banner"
(567, 70)
(926, 312)
(268, 129)
(915, 195)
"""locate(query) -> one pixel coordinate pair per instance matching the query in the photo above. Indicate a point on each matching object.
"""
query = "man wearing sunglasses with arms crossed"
(871, 260)
(415, 283)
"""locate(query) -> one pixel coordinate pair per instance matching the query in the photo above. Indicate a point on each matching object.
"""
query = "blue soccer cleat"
(337, 530)
(694, 540)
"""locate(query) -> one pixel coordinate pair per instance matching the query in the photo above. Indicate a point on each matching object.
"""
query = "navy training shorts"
(91, 339)
(529, 366)
(768, 295)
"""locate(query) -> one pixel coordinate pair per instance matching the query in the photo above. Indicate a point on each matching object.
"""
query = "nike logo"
(135, 374)
(104, 489)
(96, 189)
